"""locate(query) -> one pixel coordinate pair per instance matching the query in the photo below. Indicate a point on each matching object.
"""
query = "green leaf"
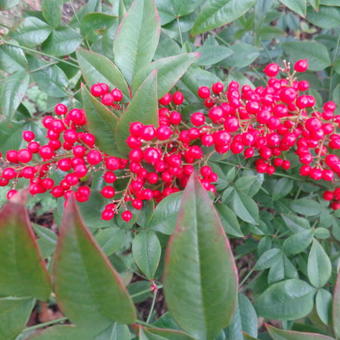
(51, 10)
(169, 71)
(137, 38)
(101, 122)
(12, 58)
(163, 334)
(280, 334)
(88, 289)
(13, 91)
(326, 17)
(296, 223)
(165, 214)
(62, 41)
(216, 13)
(47, 240)
(245, 207)
(98, 69)
(298, 242)
(319, 266)
(229, 220)
(316, 53)
(282, 188)
(51, 80)
(14, 314)
(111, 239)
(336, 307)
(146, 251)
(31, 32)
(306, 207)
(5, 4)
(115, 332)
(243, 55)
(170, 10)
(142, 108)
(249, 184)
(323, 305)
(330, 2)
(248, 315)
(315, 4)
(96, 22)
(286, 300)
(200, 289)
(69, 332)
(211, 52)
(268, 258)
(22, 269)
(297, 6)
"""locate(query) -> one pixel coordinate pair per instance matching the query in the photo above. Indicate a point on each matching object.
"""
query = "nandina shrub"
(185, 206)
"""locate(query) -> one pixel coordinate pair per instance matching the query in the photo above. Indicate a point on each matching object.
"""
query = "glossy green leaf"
(111, 239)
(51, 80)
(330, 3)
(165, 215)
(280, 334)
(282, 188)
(323, 305)
(88, 289)
(136, 38)
(142, 108)
(243, 55)
(245, 207)
(14, 314)
(97, 68)
(93, 23)
(336, 307)
(249, 184)
(268, 258)
(163, 334)
(306, 207)
(319, 266)
(298, 242)
(216, 13)
(286, 300)
(115, 332)
(146, 251)
(32, 31)
(297, 6)
(317, 54)
(5, 4)
(169, 71)
(47, 240)
(12, 58)
(229, 220)
(248, 315)
(326, 17)
(22, 269)
(101, 122)
(13, 91)
(200, 280)
(62, 41)
(51, 10)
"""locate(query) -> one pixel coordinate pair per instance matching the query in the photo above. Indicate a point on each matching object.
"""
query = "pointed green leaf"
(146, 251)
(51, 10)
(96, 68)
(297, 6)
(115, 332)
(13, 91)
(12, 58)
(200, 281)
(88, 289)
(14, 314)
(298, 242)
(319, 266)
(101, 122)
(165, 214)
(31, 32)
(170, 70)
(245, 207)
(142, 108)
(286, 300)
(323, 305)
(325, 17)
(69, 332)
(163, 334)
(280, 334)
(22, 269)
(137, 38)
(336, 307)
(216, 13)
(229, 220)
(47, 240)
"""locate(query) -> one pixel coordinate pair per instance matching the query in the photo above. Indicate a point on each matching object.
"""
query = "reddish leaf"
(88, 289)
(22, 269)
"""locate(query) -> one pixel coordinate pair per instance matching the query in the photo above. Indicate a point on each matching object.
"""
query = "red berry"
(94, 157)
(108, 192)
(60, 109)
(301, 65)
(28, 136)
(217, 87)
(165, 100)
(127, 215)
(117, 95)
(203, 92)
(272, 70)
(178, 98)
(24, 156)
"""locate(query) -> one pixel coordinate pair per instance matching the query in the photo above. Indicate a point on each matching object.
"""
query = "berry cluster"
(266, 123)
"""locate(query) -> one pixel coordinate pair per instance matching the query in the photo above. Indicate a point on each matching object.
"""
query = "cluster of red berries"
(266, 123)
(333, 196)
